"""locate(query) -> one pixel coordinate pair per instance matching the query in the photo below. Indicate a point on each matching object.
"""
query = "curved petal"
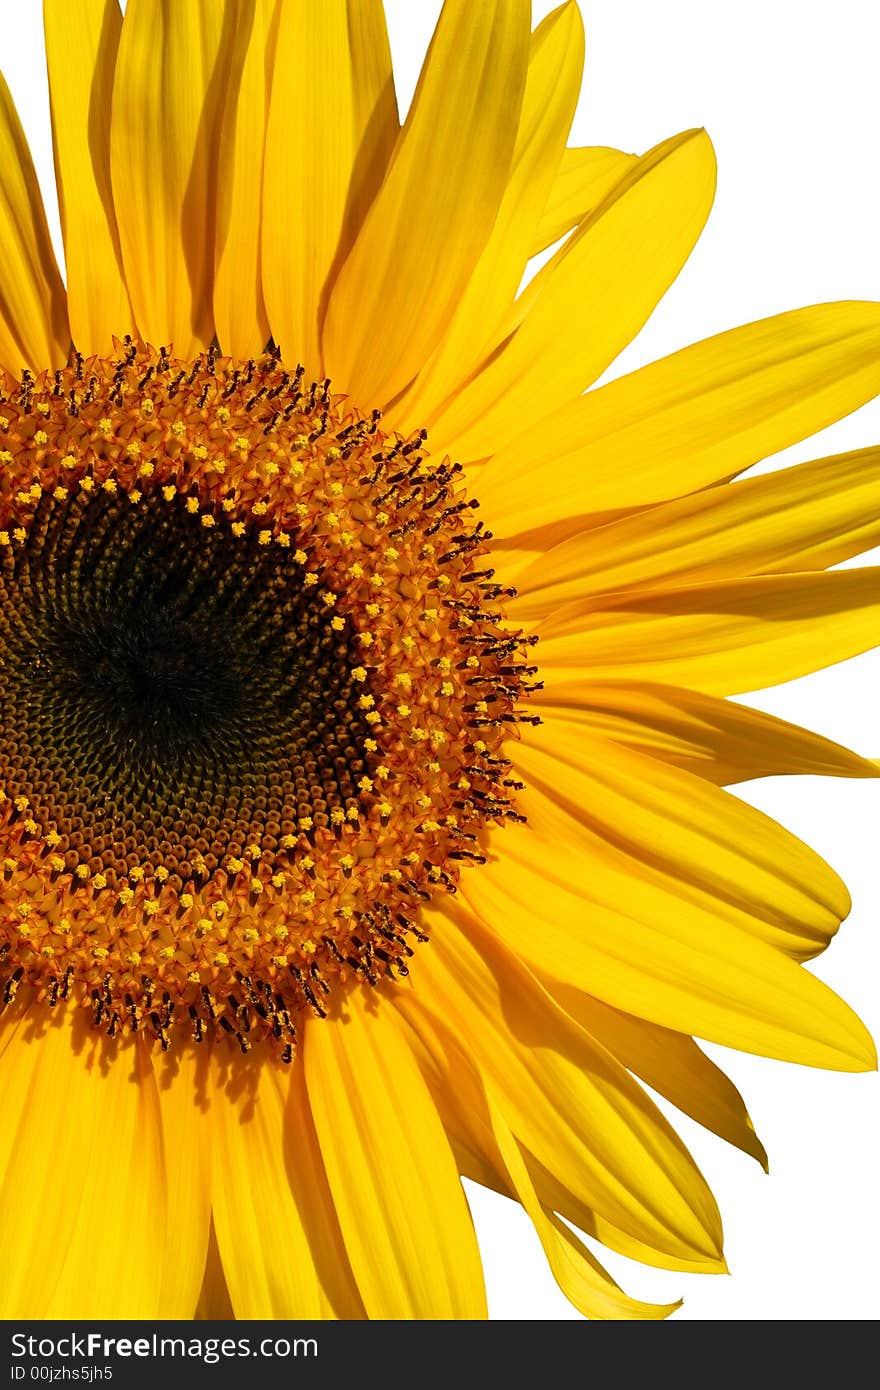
(567, 1100)
(690, 971)
(270, 1196)
(333, 104)
(802, 518)
(553, 81)
(622, 813)
(585, 176)
(168, 97)
(432, 216)
(401, 1207)
(239, 311)
(80, 1117)
(580, 1276)
(724, 638)
(716, 739)
(609, 275)
(672, 1065)
(691, 419)
(458, 1092)
(81, 45)
(33, 305)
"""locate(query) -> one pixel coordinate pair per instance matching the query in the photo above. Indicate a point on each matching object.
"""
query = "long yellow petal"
(724, 638)
(401, 1207)
(624, 813)
(557, 1198)
(332, 126)
(552, 84)
(579, 1274)
(585, 176)
(589, 301)
(239, 310)
(567, 1100)
(268, 1194)
(716, 739)
(802, 518)
(81, 45)
(672, 1065)
(687, 970)
(79, 1141)
(168, 98)
(33, 305)
(433, 214)
(693, 418)
(458, 1093)
(179, 1113)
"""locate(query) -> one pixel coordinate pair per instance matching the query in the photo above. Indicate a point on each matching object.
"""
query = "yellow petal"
(81, 44)
(272, 1210)
(580, 1276)
(401, 1207)
(700, 415)
(585, 176)
(332, 126)
(552, 85)
(724, 638)
(458, 1093)
(33, 307)
(82, 1177)
(567, 1100)
(239, 310)
(716, 739)
(672, 1065)
(557, 1198)
(589, 301)
(433, 214)
(624, 814)
(168, 97)
(179, 1114)
(686, 970)
(802, 518)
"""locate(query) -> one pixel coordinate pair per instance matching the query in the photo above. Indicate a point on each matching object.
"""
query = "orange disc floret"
(254, 686)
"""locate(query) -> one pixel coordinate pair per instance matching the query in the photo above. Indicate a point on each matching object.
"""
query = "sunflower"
(356, 837)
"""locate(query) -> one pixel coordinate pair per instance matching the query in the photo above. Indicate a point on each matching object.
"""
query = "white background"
(788, 91)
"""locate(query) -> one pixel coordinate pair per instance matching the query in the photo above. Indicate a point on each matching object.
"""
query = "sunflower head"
(256, 682)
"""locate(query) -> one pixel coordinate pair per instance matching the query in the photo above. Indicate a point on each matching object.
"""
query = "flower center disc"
(253, 690)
